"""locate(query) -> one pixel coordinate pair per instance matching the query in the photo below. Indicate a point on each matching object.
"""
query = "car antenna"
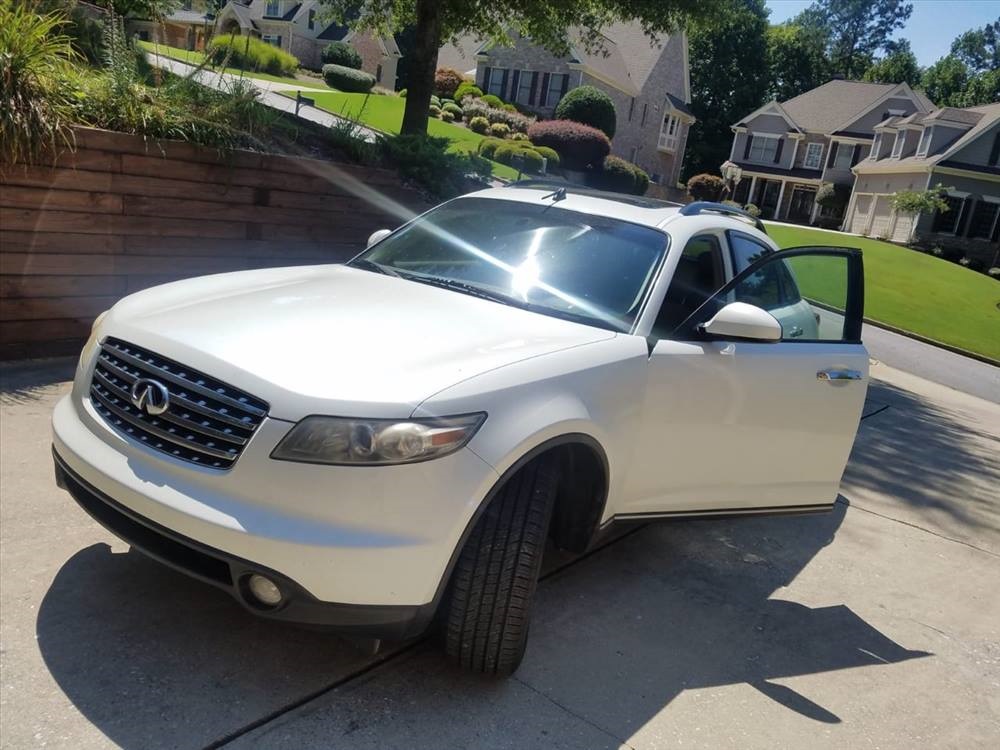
(559, 194)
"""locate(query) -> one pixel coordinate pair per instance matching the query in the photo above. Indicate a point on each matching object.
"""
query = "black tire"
(492, 587)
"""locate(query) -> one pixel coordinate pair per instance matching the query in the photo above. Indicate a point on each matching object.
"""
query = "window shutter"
(833, 154)
(534, 88)
(487, 74)
(565, 85)
(503, 84)
(777, 152)
(515, 80)
(543, 98)
(856, 156)
(995, 151)
(631, 108)
(746, 150)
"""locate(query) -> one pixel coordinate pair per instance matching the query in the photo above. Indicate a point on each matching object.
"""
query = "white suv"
(387, 444)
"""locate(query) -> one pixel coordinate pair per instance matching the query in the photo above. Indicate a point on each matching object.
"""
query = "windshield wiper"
(464, 288)
(370, 265)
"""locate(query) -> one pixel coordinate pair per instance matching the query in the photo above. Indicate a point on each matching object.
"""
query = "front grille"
(207, 422)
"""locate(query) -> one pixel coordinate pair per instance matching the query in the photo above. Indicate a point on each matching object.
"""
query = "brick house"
(296, 27)
(647, 80)
(788, 149)
(957, 148)
(187, 27)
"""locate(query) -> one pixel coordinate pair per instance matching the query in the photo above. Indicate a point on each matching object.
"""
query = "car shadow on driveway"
(154, 659)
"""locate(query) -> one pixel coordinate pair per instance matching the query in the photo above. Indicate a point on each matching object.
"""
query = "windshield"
(557, 262)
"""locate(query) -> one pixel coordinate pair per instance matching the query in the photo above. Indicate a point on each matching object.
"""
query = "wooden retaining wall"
(121, 214)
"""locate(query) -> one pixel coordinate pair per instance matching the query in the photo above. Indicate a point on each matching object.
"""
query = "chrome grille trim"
(207, 422)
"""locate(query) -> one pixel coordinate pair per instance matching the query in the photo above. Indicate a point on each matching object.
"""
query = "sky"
(931, 28)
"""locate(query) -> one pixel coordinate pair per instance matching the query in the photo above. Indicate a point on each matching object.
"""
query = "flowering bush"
(479, 124)
(705, 187)
(446, 81)
(499, 130)
(579, 146)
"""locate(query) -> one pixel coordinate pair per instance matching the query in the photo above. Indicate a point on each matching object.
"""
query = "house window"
(897, 147)
(763, 148)
(925, 142)
(312, 19)
(876, 147)
(557, 87)
(524, 84)
(844, 157)
(378, 74)
(995, 151)
(498, 77)
(271, 39)
(273, 8)
(814, 156)
(668, 132)
(983, 223)
(947, 222)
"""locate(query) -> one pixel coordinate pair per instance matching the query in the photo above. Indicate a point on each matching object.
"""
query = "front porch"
(780, 199)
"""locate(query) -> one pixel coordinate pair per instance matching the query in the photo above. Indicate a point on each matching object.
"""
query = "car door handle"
(831, 375)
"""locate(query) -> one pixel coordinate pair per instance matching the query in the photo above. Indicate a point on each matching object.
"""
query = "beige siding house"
(788, 149)
(647, 80)
(957, 148)
(297, 27)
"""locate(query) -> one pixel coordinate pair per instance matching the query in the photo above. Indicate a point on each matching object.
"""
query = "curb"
(933, 342)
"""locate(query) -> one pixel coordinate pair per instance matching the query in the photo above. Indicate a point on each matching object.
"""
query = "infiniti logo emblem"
(150, 396)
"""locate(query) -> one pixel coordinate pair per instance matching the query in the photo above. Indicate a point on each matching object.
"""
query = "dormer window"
(876, 147)
(925, 142)
(273, 8)
(897, 147)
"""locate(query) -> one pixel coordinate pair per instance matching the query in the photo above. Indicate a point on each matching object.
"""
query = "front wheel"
(489, 603)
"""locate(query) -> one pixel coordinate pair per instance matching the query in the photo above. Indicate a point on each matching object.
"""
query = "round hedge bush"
(434, 111)
(402, 93)
(616, 175)
(492, 100)
(348, 79)
(519, 136)
(467, 88)
(549, 154)
(340, 53)
(590, 106)
(520, 157)
(488, 146)
(705, 187)
(447, 116)
(455, 110)
(479, 124)
(446, 81)
(578, 145)
(499, 130)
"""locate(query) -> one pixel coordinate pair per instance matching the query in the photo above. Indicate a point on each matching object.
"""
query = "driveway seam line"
(573, 713)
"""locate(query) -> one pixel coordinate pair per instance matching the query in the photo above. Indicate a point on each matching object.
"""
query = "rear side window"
(772, 286)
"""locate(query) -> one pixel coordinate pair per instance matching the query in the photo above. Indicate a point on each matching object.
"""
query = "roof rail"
(578, 189)
(711, 207)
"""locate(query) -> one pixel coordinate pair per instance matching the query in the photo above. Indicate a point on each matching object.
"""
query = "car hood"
(333, 339)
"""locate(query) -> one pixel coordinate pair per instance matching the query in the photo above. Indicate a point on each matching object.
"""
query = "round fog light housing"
(264, 590)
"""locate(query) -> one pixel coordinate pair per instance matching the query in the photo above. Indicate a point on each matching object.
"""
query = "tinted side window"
(769, 288)
(698, 275)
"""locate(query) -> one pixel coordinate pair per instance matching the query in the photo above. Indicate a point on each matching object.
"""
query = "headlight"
(91, 340)
(375, 442)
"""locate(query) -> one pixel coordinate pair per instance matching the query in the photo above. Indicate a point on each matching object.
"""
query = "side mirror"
(378, 236)
(738, 320)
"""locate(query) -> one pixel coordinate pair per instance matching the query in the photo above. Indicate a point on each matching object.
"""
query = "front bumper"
(359, 548)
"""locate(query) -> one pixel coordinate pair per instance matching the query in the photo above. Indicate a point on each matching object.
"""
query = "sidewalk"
(875, 625)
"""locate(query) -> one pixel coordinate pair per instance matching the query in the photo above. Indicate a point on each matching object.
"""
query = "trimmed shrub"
(467, 88)
(505, 153)
(446, 81)
(994, 272)
(453, 108)
(641, 180)
(751, 209)
(341, 53)
(549, 154)
(492, 100)
(435, 101)
(589, 105)
(578, 146)
(348, 79)
(520, 157)
(479, 124)
(973, 264)
(499, 130)
(445, 100)
(252, 54)
(434, 111)
(508, 107)
(705, 187)
(615, 174)
(402, 93)
(447, 116)
(429, 162)
(489, 146)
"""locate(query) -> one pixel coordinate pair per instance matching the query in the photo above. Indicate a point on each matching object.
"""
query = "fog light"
(264, 590)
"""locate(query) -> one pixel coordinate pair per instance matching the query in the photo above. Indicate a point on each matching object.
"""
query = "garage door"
(883, 213)
(859, 219)
(904, 223)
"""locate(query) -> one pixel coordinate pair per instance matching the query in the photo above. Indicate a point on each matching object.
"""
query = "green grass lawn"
(197, 58)
(916, 292)
(385, 113)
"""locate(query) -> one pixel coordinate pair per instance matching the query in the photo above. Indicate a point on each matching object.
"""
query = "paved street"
(877, 625)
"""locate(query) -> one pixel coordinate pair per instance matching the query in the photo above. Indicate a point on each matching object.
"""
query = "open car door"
(739, 421)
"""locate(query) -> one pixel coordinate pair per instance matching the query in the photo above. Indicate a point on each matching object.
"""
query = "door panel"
(751, 426)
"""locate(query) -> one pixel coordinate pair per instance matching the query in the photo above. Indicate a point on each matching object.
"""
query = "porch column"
(815, 208)
(753, 188)
(781, 194)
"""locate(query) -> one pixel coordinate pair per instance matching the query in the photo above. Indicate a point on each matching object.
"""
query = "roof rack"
(711, 207)
(576, 189)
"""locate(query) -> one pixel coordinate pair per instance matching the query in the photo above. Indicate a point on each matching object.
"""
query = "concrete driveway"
(877, 625)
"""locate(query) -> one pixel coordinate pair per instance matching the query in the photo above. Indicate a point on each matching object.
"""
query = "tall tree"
(729, 78)
(899, 66)
(945, 82)
(856, 30)
(437, 21)
(979, 48)
(797, 62)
